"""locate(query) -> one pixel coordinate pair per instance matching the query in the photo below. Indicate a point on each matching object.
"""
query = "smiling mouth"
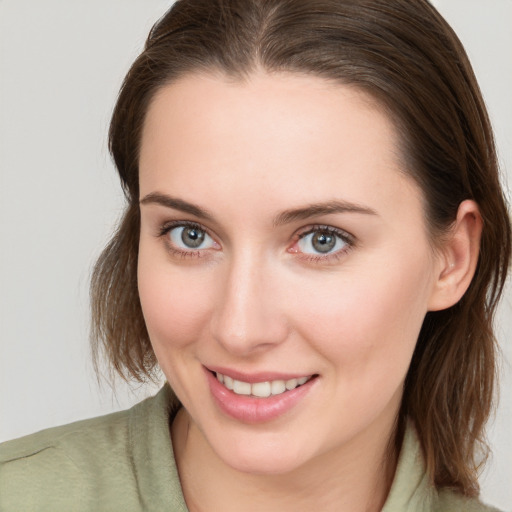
(261, 389)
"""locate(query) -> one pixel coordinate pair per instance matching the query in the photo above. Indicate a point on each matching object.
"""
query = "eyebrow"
(317, 209)
(176, 204)
(285, 217)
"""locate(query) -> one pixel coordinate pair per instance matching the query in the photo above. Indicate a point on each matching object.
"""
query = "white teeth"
(228, 382)
(241, 388)
(291, 384)
(278, 387)
(260, 389)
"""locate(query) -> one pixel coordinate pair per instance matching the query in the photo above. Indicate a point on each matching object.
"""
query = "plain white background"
(61, 65)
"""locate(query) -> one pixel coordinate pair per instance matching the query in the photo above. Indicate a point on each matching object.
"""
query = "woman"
(313, 249)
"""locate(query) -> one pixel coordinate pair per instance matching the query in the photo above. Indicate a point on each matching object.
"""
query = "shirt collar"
(411, 490)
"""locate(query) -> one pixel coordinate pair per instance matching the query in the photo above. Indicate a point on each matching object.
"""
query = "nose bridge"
(246, 317)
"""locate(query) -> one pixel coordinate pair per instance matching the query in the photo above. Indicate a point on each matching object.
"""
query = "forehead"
(280, 109)
(298, 138)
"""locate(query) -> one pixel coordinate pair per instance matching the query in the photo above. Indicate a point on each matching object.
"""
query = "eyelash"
(167, 227)
(344, 236)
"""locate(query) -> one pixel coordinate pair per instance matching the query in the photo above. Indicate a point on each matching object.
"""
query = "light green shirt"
(125, 462)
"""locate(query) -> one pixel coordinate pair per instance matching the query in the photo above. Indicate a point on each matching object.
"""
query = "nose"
(247, 317)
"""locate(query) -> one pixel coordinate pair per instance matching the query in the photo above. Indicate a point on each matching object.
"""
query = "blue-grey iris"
(323, 242)
(192, 237)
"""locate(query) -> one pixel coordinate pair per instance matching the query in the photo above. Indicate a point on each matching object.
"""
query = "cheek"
(367, 320)
(175, 303)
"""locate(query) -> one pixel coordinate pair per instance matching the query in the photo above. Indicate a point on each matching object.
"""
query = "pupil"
(192, 237)
(324, 242)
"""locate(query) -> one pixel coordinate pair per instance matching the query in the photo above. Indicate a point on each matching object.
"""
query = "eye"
(324, 241)
(190, 237)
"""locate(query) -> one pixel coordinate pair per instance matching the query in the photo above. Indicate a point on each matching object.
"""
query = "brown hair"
(404, 54)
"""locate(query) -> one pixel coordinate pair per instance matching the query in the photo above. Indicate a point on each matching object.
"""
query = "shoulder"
(64, 436)
(449, 501)
(112, 462)
(60, 462)
(412, 490)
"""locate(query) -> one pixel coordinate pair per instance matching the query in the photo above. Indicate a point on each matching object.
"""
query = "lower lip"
(250, 409)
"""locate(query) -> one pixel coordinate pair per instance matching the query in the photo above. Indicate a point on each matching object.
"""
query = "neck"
(356, 477)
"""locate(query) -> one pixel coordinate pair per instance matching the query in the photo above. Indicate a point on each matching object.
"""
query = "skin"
(254, 298)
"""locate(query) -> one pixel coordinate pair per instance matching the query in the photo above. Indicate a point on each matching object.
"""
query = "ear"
(457, 257)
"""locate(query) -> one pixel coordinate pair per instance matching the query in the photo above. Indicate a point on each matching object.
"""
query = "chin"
(263, 455)
(259, 465)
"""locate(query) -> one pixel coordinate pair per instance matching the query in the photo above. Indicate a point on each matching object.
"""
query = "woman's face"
(280, 243)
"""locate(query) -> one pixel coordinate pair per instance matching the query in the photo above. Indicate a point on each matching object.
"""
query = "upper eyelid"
(167, 226)
(332, 229)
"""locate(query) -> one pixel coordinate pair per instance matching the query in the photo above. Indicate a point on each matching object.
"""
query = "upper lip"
(253, 377)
